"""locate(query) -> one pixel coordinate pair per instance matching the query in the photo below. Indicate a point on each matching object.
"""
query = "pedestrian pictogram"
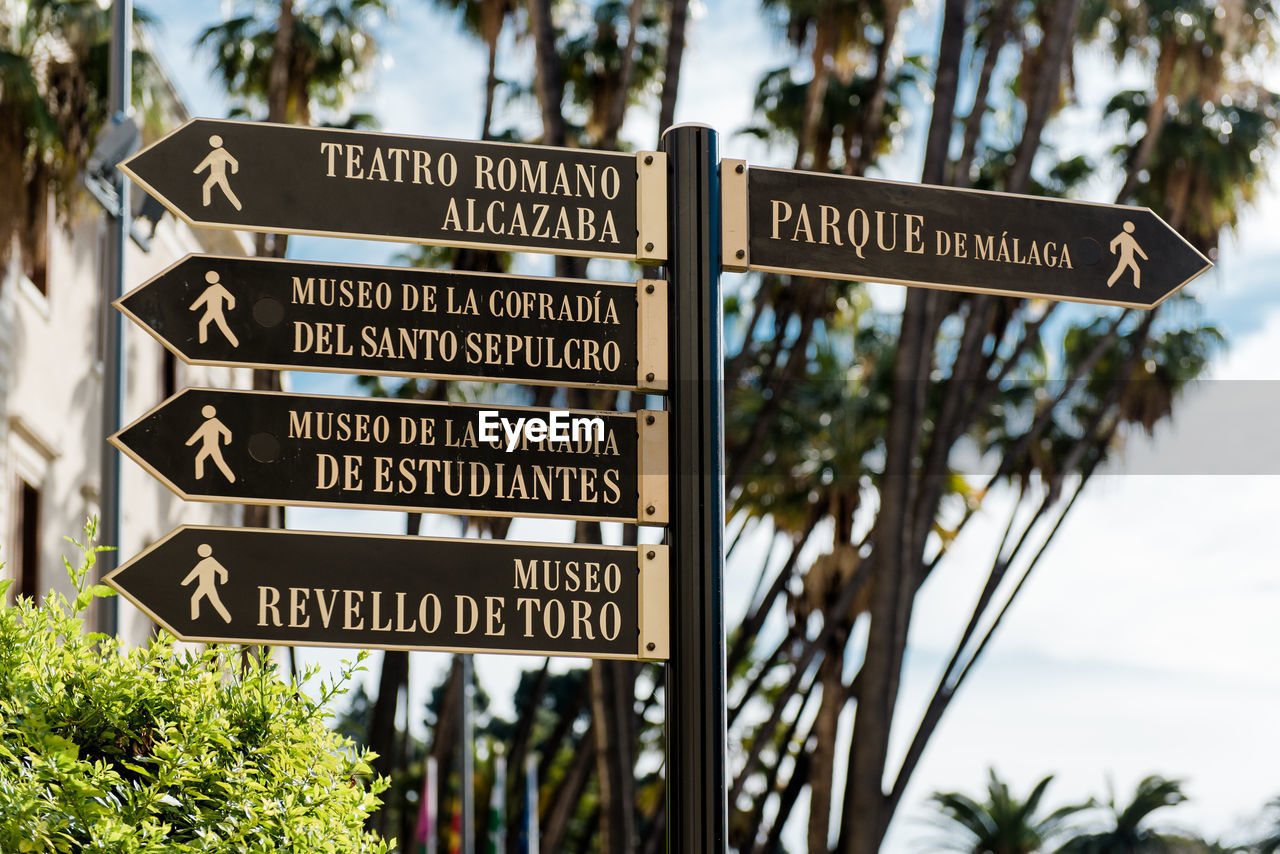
(211, 435)
(217, 161)
(207, 574)
(1128, 247)
(215, 300)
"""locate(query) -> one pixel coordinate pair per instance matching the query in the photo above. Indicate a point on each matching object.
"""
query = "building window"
(27, 563)
(105, 295)
(35, 261)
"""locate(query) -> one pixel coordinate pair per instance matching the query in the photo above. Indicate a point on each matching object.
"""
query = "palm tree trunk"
(382, 722)
(565, 803)
(1155, 118)
(444, 738)
(490, 92)
(875, 108)
(281, 60)
(997, 33)
(1044, 98)
(612, 702)
(822, 757)
(864, 816)
(675, 55)
(799, 777)
(547, 76)
(816, 93)
(617, 107)
(519, 749)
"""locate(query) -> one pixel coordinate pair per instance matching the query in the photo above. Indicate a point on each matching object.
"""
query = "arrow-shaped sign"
(343, 183)
(295, 588)
(271, 313)
(833, 226)
(273, 448)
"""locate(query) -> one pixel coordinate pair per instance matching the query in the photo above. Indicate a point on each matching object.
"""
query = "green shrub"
(106, 748)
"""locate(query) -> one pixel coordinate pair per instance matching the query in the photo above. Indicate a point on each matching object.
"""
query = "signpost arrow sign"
(296, 588)
(271, 313)
(967, 240)
(273, 448)
(343, 183)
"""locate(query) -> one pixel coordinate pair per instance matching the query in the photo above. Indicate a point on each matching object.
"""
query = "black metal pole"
(697, 812)
(118, 97)
(468, 737)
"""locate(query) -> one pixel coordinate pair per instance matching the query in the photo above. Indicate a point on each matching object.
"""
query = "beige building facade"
(52, 330)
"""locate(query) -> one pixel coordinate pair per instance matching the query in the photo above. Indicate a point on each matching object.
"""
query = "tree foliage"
(106, 748)
(852, 432)
(53, 103)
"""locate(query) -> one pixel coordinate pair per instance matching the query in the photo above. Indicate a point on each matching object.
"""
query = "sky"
(1147, 639)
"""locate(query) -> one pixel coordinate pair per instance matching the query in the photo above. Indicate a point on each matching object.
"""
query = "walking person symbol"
(204, 573)
(215, 299)
(208, 435)
(217, 161)
(1128, 246)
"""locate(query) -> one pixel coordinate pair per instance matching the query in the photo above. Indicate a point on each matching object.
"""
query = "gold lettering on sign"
(388, 165)
(890, 231)
(542, 199)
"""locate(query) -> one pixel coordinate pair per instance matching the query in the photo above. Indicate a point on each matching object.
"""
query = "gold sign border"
(649, 485)
(652, 597)
(651, 207)
(652, 467)
(651, 335)
(735, 243)
(655, 602)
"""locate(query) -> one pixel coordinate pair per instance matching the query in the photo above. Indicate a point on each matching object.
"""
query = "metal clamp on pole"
(696, 806)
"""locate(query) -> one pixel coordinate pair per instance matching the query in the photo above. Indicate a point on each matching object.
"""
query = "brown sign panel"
(272, 313)
(418, 456)
(296, 588)
(1024, 246)
(343, 183)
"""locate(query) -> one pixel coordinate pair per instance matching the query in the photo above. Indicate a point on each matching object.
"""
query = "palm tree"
(1208, 161)
(53, 100)
(1124, 371)
(1130, 832)
(486, 19)
(1270, 844)
(1193, 46)
(283, 67)
(835, 32)
(1002, 824)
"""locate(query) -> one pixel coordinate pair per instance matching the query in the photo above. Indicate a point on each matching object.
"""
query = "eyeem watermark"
(560, 427)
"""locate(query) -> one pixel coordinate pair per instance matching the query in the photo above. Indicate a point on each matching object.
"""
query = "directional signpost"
(252, 586)
(274, 448)
(341, 183)
(269, 313)
(962, 240)
(221, 585)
